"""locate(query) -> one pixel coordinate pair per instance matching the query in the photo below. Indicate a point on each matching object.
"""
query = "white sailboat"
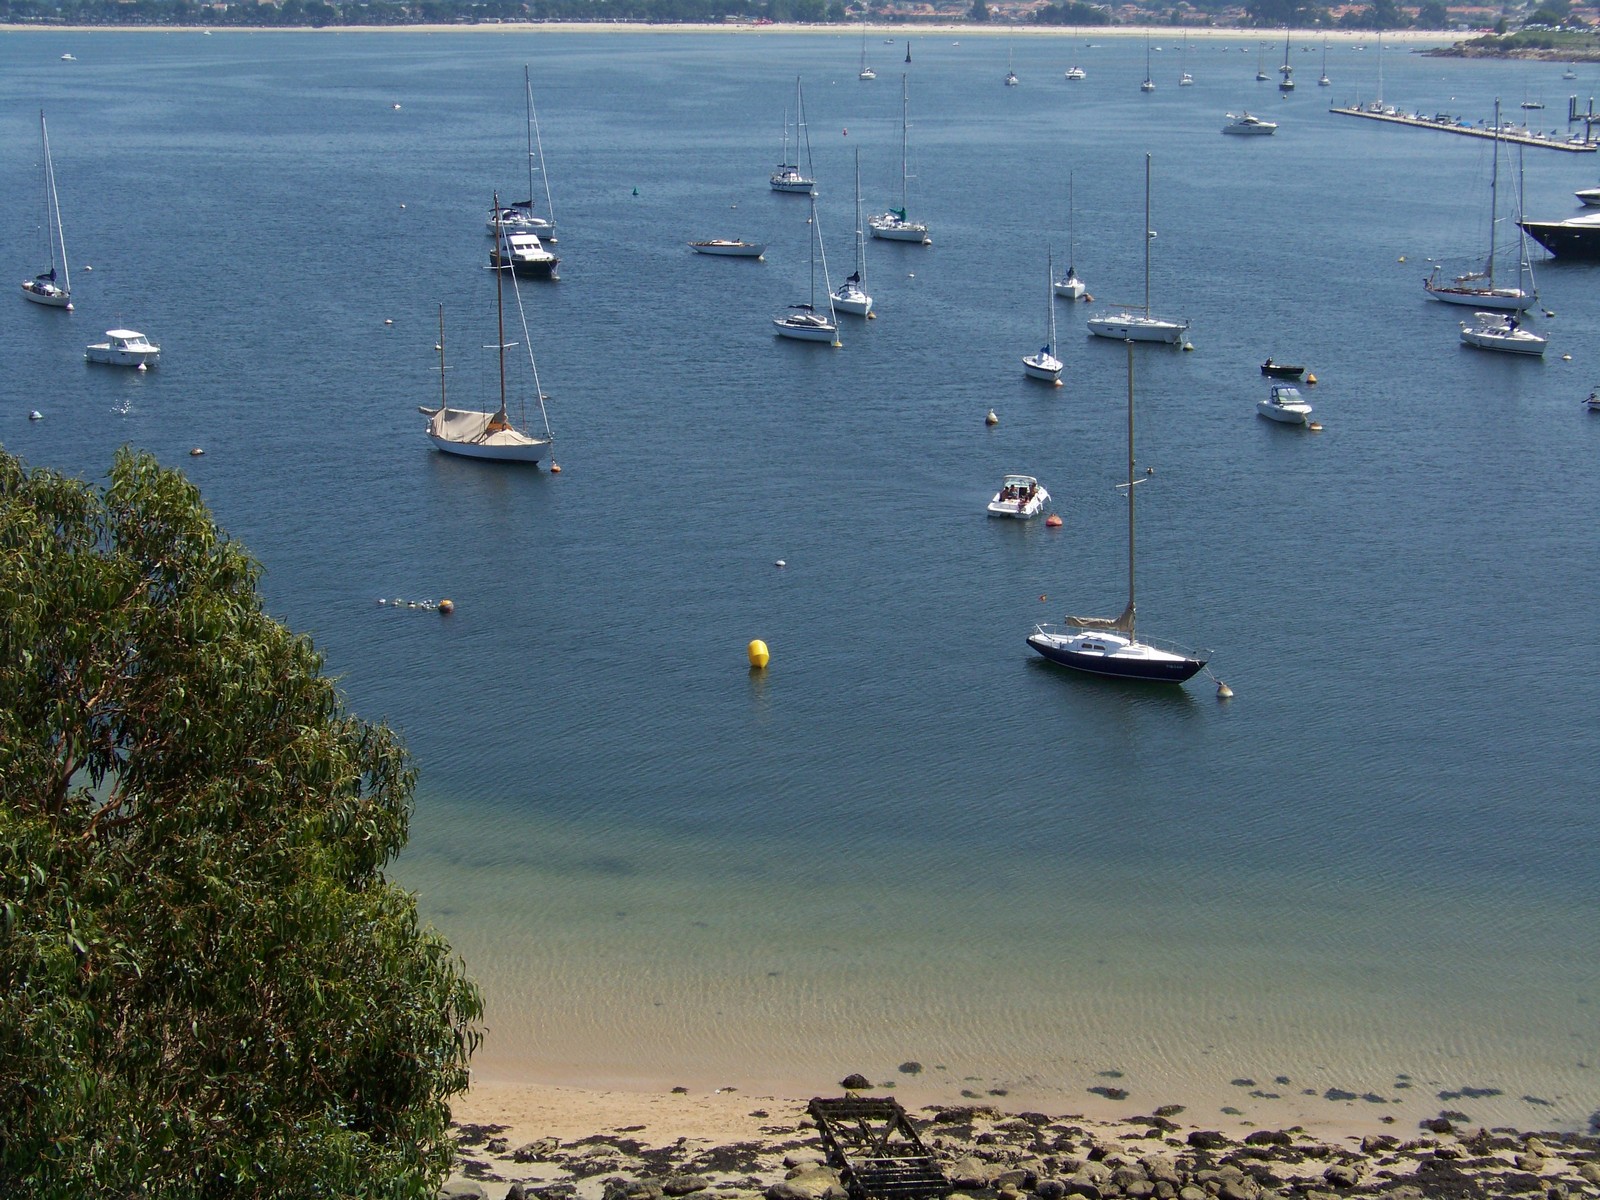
(803, 322)
(1323, 80)
(1138, 324)
(521, 217)
(1075, 72)
(1110, 646)
(1069, 285)
(1184, 78)
(490, 435)
(1286, 82)
(894, 225)
(1011, 75)
(789, 177)
(49, 288)
(1477, 289)
(1045, 365)
(1261, 70)
(1501, 331)
(851, 296)
(866, 72)
(1149, 85)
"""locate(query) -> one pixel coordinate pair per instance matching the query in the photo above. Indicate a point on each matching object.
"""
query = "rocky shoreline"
(771, 1150)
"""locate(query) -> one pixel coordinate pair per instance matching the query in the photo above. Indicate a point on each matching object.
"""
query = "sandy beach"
(521, 1140)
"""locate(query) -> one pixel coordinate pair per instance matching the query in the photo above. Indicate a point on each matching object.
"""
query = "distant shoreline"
(1078, 33)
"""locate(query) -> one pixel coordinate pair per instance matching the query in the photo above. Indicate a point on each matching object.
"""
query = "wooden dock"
(1510, 137)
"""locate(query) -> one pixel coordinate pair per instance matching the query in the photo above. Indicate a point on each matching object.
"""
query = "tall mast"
(1147, 235)
(1494, 190)
(1131, 636)
(536, 146)
(861, 241)
(904, 103)
(54, 212)
(443, 405)
(502, 265)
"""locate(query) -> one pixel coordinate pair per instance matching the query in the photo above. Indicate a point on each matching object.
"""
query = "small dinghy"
(1279, 370)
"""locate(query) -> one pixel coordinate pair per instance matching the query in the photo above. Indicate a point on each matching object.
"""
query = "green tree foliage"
(979, 11)
(1072, 13)
(1433, 15)
(207, 986)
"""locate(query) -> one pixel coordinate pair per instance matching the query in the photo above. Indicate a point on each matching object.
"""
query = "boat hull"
(523, 269)
(796, 184)
(1281, 370)
(1042, 366)
(804, 331)
(112, 357)
(468, 434)
(894, 231)
(544, 230)
(1497, 300)
(1131, 327)
(730, 249)
(1530, 346)
(1284, 414)
(1578, 238)
(1070, 288)
(855, 302)
(47, 294)
(1112, 656)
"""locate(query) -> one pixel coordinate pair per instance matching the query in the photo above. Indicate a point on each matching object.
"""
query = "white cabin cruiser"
(1284, 404)
(123, 348)
(1020, 496)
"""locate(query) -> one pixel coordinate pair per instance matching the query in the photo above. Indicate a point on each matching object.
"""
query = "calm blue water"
(908, 839)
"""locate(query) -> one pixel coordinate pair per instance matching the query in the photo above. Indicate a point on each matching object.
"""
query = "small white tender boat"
(1589, 197)
(123, 348)
(1501, 331)
(730, 248)
(1020, 496)
(1246, 125)
(1285, 404)
(1592, 403)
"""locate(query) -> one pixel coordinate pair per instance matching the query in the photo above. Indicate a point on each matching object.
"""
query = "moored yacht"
(523, 253)
(1020, 496)
(124, 348)
(1284, 404)
(1248, 125)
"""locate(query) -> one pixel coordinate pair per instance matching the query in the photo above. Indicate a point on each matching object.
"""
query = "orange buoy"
(1054, 522)
(555, 468)
(447, 606)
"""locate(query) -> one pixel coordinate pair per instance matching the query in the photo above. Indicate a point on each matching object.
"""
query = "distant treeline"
(1275, 14)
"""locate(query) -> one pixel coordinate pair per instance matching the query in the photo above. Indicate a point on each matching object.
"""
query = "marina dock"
(1513, 137)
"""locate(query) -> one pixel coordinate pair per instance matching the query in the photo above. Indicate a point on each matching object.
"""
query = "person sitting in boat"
(1511, 323)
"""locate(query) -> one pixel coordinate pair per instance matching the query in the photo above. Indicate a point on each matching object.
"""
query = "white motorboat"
(1589, 197)
(1110, 646)
(729, 248)
(1139, 324)
(521, 217)
(1045, 365)
(496, 436)
(524, 254)
(804, 322)
(1076, 72)
(894, 225)
(1592, 401)
(1285, 404)
(1021, 497)
(789, 177)
(1501, 331)
(123, 348)
(851, 296)
(47, 287)
(1246, 124)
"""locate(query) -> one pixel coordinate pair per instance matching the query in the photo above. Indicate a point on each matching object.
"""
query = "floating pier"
(1512, 137)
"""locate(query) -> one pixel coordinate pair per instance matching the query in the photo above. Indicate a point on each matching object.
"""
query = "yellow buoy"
(1402, 258)
(991, 419)
(1310, 379)
(1224, 692)
(447, 606)
(758, 654)
(1188, 345)
(1315, 426)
